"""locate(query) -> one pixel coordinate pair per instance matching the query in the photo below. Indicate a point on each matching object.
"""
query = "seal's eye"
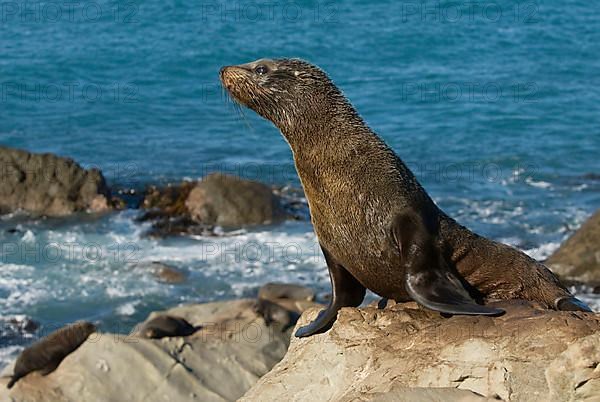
(260, 70)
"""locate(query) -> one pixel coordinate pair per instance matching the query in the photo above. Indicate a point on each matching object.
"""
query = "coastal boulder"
(229, 201)
(407, 353)
(232, 348)
(578, 258)
(49, 185)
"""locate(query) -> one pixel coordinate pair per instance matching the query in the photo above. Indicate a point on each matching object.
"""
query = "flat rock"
(578, 258)
(49, 185)
(219, 362)
(404, 352)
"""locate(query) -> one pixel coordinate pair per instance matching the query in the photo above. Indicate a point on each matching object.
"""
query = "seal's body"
(166, 326)
(376, 225)
(46, 354)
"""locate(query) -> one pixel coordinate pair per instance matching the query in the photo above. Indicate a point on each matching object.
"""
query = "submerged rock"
(406, 353)
(49, 185)
(578, 258)
(166, 273)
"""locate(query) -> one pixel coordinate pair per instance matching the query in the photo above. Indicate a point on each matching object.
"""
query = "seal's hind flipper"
(429, 279)
(570, 303)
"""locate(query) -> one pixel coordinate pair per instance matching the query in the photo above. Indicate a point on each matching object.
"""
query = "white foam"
(7, 356)
(538, 184)
(127, 308)
(543, 251)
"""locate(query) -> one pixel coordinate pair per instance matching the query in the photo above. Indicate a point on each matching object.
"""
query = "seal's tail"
(570, 303)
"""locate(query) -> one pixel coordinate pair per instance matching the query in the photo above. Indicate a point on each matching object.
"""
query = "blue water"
(494, 105)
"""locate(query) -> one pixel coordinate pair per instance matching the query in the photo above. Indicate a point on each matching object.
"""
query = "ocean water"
(494, 105)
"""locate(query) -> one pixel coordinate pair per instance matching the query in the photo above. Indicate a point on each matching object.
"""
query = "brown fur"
(46, 354)
(355, 185)
(166, 326)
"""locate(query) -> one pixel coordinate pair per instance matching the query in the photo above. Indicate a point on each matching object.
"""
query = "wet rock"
(578, 258)
(13, 330)
(229, 201)
(166, 273)
(49, 185)
(203, 208)
(404, 352)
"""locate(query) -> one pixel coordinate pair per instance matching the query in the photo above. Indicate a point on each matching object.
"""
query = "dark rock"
(591, 176)
(49, 185)
(578, 258)
(13, 330)
(169, 200)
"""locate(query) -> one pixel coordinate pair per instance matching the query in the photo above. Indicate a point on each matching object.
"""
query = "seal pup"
(376, 225)
(46, 354)
(272, 313)
(167, 326)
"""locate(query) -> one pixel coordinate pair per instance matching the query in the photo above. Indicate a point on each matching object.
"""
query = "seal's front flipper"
(429, 279)
(570, 303)
(347, 292)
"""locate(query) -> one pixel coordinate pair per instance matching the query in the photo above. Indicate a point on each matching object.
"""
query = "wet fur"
(46, 354)
(355, 185)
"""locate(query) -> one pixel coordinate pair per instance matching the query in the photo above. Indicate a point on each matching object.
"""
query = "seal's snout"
(232, 75)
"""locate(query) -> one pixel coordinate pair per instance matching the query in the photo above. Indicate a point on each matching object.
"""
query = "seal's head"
(285, 91)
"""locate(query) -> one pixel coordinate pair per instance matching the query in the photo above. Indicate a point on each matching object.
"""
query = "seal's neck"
(323, 122)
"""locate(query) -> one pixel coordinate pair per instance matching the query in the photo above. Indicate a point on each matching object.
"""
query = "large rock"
(402, 352)
(49, 185)
(217, 200)
(229, 201)
(219, 362)
(578, 258)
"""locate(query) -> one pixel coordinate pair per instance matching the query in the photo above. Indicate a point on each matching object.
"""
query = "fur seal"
(46, 354)
(376, 225)
(167, 326)
(273, 312)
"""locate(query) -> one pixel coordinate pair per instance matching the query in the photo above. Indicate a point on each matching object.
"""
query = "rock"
(232, 349)
(276, 290)
(49, 185)
(166, 273)
(169, 200)
(403, 394)
(578, 258)
(229, 201)
(196, 208)
(526, 354)
(16, 328)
